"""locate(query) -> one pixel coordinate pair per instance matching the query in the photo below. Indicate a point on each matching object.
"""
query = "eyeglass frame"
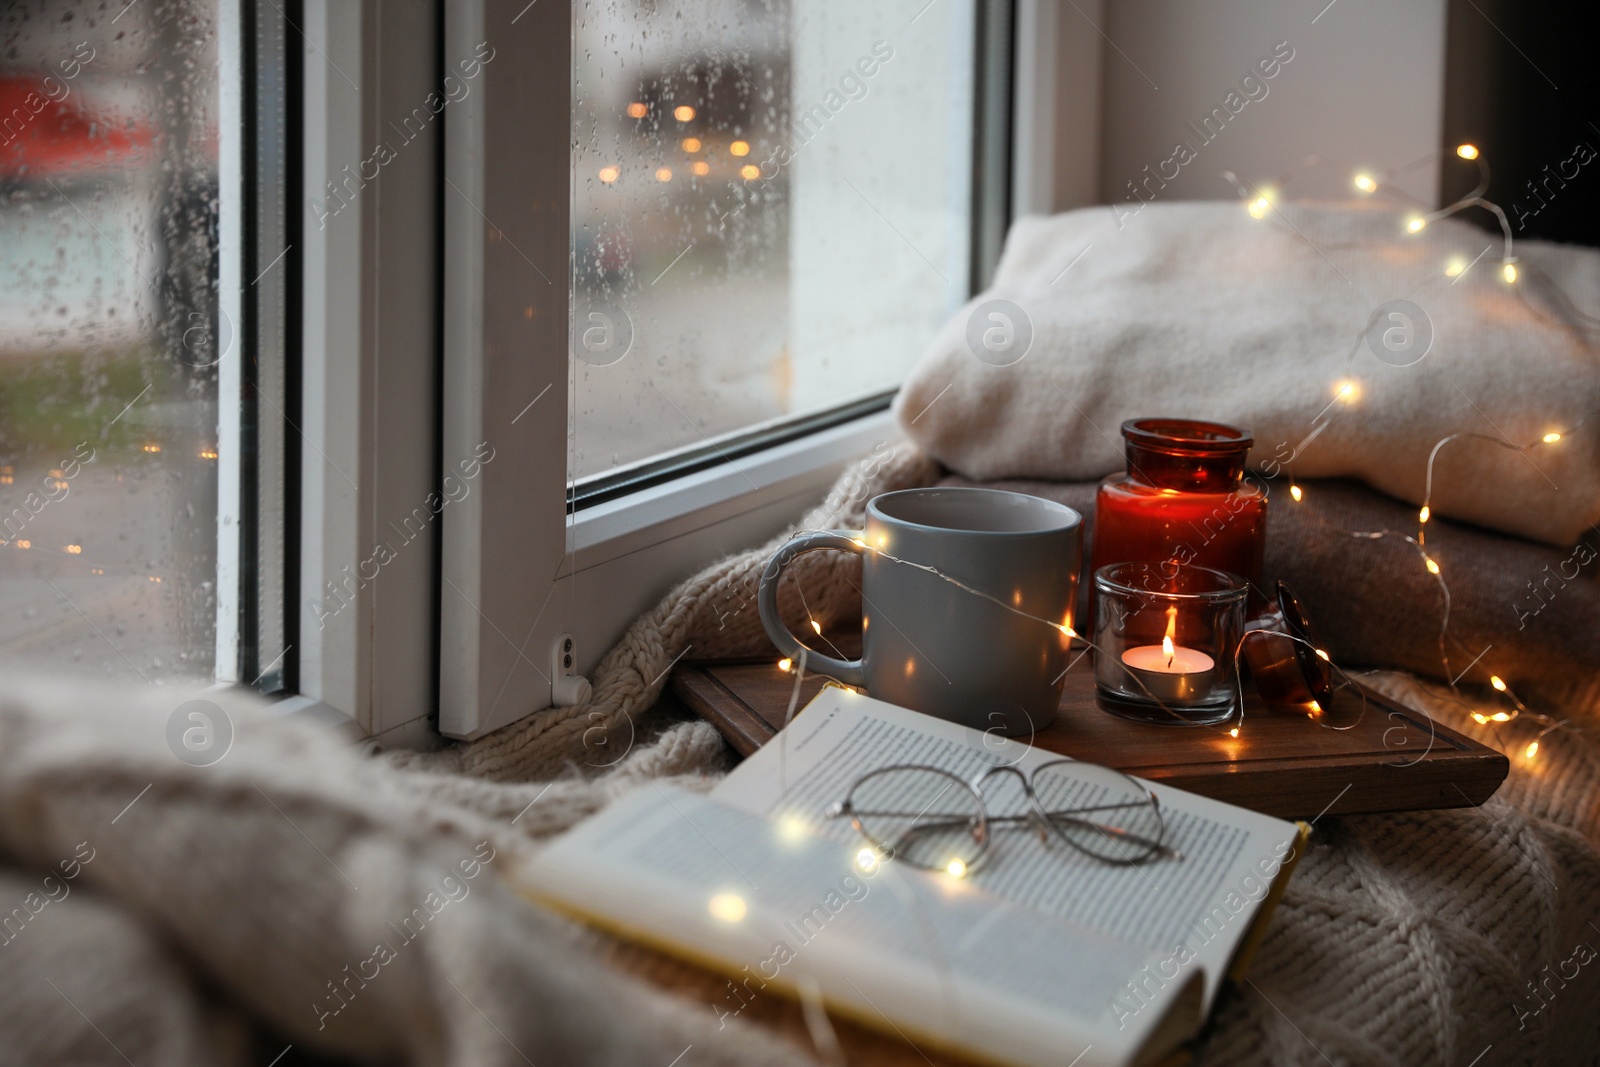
(1035, 816)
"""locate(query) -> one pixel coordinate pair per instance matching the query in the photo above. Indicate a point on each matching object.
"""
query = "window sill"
(625, 555)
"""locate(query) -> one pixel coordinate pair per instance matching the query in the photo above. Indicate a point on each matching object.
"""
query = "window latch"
(567, 688)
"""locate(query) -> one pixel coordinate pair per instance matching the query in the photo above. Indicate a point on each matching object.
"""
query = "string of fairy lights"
(1260, 203)
(1366, 183)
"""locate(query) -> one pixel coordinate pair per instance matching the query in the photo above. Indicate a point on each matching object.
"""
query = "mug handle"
(851, 671)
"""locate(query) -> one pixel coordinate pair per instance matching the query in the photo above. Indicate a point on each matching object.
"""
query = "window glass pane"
(772, 210)
(108, 337)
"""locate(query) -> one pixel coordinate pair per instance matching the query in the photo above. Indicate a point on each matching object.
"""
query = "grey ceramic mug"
(992, 655)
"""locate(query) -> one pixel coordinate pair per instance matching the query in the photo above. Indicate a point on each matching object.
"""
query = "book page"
(933, 954)
(1189, 913)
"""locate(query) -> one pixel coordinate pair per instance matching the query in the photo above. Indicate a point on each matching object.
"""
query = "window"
(772, 213)
(735, 336)
(321, 370)
(110, 340)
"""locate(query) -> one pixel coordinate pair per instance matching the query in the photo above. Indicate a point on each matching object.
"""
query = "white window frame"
(514, 571)
(368, 372)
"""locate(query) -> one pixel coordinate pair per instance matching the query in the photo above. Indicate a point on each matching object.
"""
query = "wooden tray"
(1394, 759)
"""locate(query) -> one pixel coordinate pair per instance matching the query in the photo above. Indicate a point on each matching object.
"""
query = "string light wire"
(1512, 270)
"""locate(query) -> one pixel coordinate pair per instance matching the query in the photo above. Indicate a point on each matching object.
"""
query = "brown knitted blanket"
(296, 893)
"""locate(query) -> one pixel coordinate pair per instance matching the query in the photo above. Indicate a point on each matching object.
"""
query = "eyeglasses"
(933, 819)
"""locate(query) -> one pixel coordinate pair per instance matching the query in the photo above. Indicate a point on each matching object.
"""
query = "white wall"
(1364, 90)
(1055, 161)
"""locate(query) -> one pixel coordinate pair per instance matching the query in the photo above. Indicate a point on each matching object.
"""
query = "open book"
(1041, 955)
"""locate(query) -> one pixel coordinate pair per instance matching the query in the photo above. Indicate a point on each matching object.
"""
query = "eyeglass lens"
(923, 815)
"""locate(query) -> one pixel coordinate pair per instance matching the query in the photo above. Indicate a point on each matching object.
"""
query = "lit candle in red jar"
(1182, 500)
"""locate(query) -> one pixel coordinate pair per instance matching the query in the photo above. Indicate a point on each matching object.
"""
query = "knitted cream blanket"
(295, 893)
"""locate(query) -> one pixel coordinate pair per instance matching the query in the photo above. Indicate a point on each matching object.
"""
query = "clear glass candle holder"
(1165, 637)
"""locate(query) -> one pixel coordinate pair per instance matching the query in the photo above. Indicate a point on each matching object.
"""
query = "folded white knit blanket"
(1200, 310)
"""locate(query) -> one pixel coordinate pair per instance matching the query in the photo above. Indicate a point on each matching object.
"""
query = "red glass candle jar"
(1183, 500)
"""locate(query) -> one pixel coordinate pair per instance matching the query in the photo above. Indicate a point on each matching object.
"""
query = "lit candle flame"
(1172, 629)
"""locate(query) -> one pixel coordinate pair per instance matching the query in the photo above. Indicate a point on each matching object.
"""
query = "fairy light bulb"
(1233, 732)
(1365, 183)
(1347, 391)
(1322, 654)
(786, 664)
(1467, 151)
(1509, 272)
(1455, 267)
(1480, 718)
(1416, 224)
(1551, 438)
(1532, 750)
(1068, 630)
(867, 859)
(727, 907)
(1501, 716)
(956, 868)
(1433, 568)
(1259, 207)
(1295, 493)
(1422, 516)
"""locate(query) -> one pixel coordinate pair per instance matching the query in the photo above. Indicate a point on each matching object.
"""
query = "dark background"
(1522, 82)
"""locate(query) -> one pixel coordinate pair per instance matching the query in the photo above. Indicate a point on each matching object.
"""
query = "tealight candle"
(1165, 640)
(1170, 673)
